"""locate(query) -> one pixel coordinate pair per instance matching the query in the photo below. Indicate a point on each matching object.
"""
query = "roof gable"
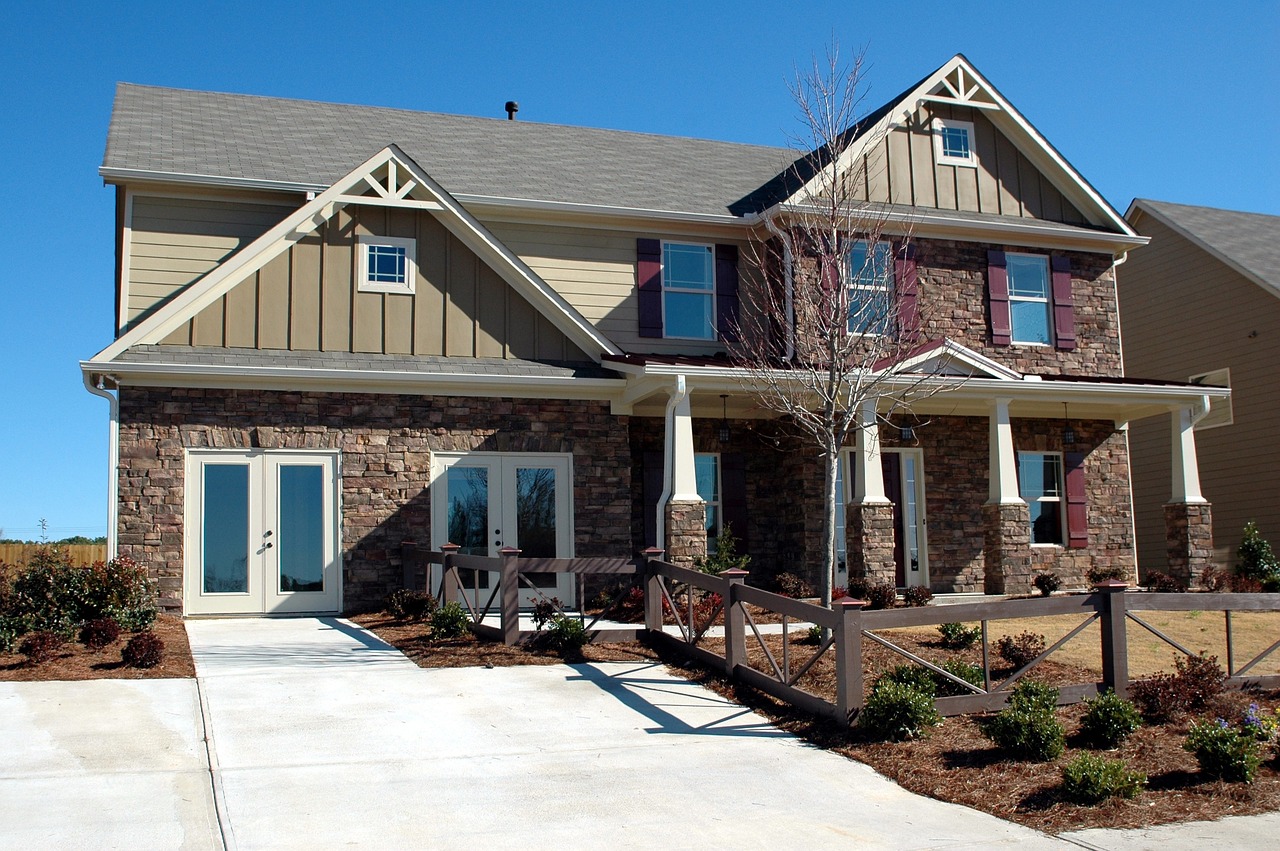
(389, 179)
(1247, 242)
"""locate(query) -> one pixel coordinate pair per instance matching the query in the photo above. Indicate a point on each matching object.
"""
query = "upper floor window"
(388, 264)
(688, 291)
(870, 282)
(1040, 482)
(953, 142)
(706, 468)
(1029, 302)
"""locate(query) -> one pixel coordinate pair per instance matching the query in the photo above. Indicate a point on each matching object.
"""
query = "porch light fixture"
(906, 434)
(1068, 433)
(724, 417)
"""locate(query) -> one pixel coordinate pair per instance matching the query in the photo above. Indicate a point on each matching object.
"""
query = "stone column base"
(869, 537)
(686, 532)
(1188, 534)
(1006, 548)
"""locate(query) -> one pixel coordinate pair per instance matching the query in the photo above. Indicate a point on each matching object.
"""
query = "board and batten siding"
(902, 169)
(595, 271)
(1185, 313)
(175, 241)
(307, 299)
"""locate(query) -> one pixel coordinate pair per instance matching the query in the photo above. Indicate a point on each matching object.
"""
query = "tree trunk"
(830, 504)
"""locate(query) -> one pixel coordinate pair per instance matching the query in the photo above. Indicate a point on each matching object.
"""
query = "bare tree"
(825, 320)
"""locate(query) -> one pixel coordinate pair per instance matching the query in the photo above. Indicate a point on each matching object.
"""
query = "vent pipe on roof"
(512, 108)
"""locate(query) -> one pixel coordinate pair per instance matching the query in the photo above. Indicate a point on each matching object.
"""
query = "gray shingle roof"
(250, 138)
(1248, 241)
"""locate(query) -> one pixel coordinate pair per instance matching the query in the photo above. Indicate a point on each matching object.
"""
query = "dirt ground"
(77, 662)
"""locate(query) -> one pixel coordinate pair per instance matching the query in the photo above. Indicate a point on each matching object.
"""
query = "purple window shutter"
(727, 292)
(733, 497)
(998, 298)
(1077, 513)
(1064, 316)
(649, 286)
(904, 281)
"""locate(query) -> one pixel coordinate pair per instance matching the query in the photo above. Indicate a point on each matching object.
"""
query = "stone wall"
(1189, 539)
(386, 443)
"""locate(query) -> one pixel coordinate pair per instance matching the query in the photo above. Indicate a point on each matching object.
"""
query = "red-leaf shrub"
(99, 633)
(144, 650)
(39, 647)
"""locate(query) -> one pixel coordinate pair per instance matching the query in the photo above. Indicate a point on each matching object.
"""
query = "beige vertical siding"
(175, 241)
(308, 299)
(1184, 313)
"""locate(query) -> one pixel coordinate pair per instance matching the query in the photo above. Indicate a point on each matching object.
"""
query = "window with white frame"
(1029, 304)
(869, 276)
(388, 264)
(1220, 413)
(1041, 484)
(953, 142)
(706, 467)
(688, 291)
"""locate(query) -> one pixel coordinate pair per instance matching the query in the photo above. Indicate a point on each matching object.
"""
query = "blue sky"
(1169, 100)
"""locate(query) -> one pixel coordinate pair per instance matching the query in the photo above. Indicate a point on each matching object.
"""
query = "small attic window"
(953, 142)
(388, 264)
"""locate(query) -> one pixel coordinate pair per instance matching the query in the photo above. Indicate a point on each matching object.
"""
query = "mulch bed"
(77, 662)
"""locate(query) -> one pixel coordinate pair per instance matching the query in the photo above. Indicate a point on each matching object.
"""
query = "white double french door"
(486, 501)
(261, 533)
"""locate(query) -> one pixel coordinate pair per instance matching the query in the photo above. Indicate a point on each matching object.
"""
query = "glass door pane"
(536, 518)
(225, 529)
(468, 513)
(300, 528)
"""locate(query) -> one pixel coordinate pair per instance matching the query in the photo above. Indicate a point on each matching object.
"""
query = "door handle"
(268, 546)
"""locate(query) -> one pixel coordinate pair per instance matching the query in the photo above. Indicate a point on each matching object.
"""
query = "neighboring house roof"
(1247, 242)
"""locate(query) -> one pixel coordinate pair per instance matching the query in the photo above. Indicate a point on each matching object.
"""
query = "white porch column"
(1186, 470)
(868, 474)
(684, 480)
(1003, 474)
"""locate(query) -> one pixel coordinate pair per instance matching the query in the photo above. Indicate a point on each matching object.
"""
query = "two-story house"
(341, 327)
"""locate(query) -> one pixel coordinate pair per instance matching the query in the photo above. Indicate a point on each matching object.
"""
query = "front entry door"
(904, 486)
(486, 501)
(261, 532)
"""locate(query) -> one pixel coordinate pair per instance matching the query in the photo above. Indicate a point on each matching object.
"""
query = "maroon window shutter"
(1064, 316)
(649, 286)
(904, 281)
(1077, 515)
(651, 485)
(998, 298)
(733, 496)
(727, 292)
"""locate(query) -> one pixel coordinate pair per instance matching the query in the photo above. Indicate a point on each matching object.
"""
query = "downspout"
(113, 456)
(787, 261)
(1128, 453)
(668, 459)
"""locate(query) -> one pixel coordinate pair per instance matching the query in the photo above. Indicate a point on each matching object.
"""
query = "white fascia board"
(239, 376)
(123, 175)
(602, 210)
(953, 350)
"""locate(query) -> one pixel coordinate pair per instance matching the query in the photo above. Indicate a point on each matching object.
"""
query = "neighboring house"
(1201, 304)
(341, 327)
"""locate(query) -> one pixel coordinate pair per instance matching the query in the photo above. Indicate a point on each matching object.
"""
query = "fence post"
(735, 640)
(848, 647)
(450, 590)
(1115, 641)
(652, 590)
(510, 593)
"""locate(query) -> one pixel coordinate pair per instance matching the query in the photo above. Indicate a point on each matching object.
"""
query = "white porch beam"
(1002, 473)
(684, 480)
(868, 474)
(1186, 469)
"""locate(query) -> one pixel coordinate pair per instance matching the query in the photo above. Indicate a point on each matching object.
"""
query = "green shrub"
(51, 594)
(449, 621)
(1090, 779)
(1047, 583)
(1224, 752)
(909, 675)
(898, 711)
(567, 635)
(404, 604)
(1255, 560)
(40, 646)
(12, 628)
(963, 670)
(1108, 720)
(1029, 728)
(1104, 573)
(99, 633)
(916, 596)
(144, 650)
(545, 611)
(1198, 680)
(814, 635)
(726, 556)
(958, 636)
(882, 595)
(1019, 650)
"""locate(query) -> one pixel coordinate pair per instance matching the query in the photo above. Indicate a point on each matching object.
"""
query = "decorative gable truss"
(388, 179)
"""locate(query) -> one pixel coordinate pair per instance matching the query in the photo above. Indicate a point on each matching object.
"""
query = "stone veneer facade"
(1189, 538)
(870, 533)
(385, 442)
